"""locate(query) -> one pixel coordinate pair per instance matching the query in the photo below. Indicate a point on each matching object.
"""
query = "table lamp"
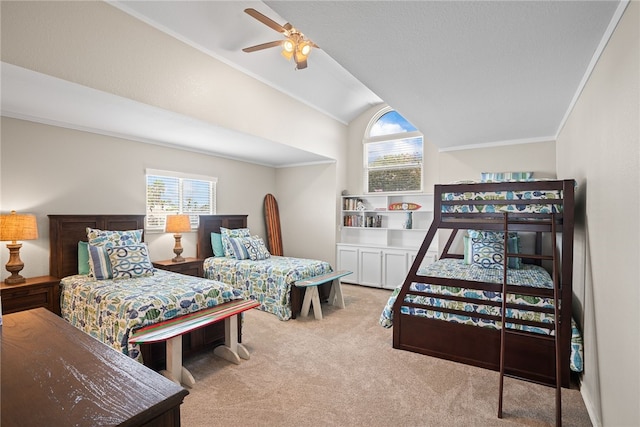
(177, 224)
(14, 227)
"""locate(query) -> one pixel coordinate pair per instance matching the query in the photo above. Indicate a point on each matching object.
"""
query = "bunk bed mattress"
(529, 275)
(109, 310)
(267, 281)
(538, 201)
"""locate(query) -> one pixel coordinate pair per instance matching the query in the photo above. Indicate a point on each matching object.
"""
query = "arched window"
(393, 150)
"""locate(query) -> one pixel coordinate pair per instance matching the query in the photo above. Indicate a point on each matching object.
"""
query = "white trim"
(173, 174)
(295, 165)
(499, 143)
(590, 406)
(617, 15)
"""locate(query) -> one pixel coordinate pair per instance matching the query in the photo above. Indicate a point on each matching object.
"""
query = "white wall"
(310, 207)
(539, 158)
(600, 146)
(52, 170)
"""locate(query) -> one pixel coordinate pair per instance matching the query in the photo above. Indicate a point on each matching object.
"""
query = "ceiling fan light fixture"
(288, 45)
(293, 46)
(304, 48)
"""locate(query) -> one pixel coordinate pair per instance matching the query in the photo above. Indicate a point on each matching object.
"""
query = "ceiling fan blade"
(266, 21)
(262, 46)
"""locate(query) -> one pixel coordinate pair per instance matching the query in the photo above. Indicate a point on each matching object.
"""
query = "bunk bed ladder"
(556, 316)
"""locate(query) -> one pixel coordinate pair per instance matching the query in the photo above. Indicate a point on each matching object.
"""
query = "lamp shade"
(178, 224)
(15, 227)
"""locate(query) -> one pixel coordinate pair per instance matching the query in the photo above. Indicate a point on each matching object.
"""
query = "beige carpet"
(343, 371)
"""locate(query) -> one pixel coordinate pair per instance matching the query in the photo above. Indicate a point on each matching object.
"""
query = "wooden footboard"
(529, 356)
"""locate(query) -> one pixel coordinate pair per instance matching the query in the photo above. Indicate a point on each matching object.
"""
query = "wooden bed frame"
(527, 357)
(212, 223)
(65, 231)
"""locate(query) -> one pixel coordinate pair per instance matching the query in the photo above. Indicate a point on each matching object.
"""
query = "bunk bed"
(453, 308)
(267, 279)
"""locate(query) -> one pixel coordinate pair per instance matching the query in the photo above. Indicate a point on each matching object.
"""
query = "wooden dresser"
(55, 374)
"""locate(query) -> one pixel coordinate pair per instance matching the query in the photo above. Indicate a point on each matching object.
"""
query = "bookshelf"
(380, 235)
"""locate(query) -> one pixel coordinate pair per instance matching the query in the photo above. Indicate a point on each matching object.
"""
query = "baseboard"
(590, 405)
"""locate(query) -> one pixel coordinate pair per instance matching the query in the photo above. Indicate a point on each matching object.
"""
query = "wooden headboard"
(211, 224)
(65, 231)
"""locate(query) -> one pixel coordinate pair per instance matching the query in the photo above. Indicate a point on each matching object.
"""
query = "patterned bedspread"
(110, 310)
(537, 201)
(266, 281)
(453, 268)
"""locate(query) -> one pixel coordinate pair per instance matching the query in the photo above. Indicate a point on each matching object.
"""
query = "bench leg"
(311, 298)
(335, 296)
(175, 371)
(229, 351)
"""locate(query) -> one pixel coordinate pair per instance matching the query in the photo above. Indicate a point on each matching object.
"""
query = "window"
(393, 151)
(172, 192)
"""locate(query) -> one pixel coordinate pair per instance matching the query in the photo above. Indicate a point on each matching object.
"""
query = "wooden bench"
(171, 332)
(312, 297)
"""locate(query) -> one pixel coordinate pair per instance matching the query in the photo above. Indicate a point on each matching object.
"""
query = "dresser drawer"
(35, 292)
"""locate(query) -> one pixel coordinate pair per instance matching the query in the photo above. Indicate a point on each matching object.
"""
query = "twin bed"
(269, 281)
(112, 309)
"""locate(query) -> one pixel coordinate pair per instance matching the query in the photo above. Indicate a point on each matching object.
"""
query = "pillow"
(129, 261)
(257, 249)
(96, 237)
(506, 176)
(486, 249)
(216, 244)
(99, 263)
(83, 258)
(238, 247)
(249, 248)
(228, 233)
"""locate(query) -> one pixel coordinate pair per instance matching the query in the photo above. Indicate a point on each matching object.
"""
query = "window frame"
(182, 178)
(387, 138)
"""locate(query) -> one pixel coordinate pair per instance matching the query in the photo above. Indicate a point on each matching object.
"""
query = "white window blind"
(174, 192)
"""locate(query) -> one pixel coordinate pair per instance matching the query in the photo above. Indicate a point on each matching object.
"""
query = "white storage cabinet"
(375, 242)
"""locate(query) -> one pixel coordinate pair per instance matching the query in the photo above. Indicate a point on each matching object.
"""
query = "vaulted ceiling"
(464, 73)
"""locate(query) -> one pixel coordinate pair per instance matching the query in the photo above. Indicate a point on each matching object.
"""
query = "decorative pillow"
(506, 176)
(257, 249)
(96, 237)
(129, 261)
(83, 258)
(228, 233)
(239, 247)
(249, 248)
(216, 244)
(486, 249)
(99, 263)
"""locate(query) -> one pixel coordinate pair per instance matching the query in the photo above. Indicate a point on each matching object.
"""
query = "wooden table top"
(55, 374)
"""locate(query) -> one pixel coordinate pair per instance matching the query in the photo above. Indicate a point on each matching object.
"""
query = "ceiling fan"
(295, 45)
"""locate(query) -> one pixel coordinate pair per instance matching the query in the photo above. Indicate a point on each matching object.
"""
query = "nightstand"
(190, 266)
(43, 291)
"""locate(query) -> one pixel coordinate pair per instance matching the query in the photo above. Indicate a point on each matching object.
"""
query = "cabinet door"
(370, 267)
(348, 260)
(395, 268)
